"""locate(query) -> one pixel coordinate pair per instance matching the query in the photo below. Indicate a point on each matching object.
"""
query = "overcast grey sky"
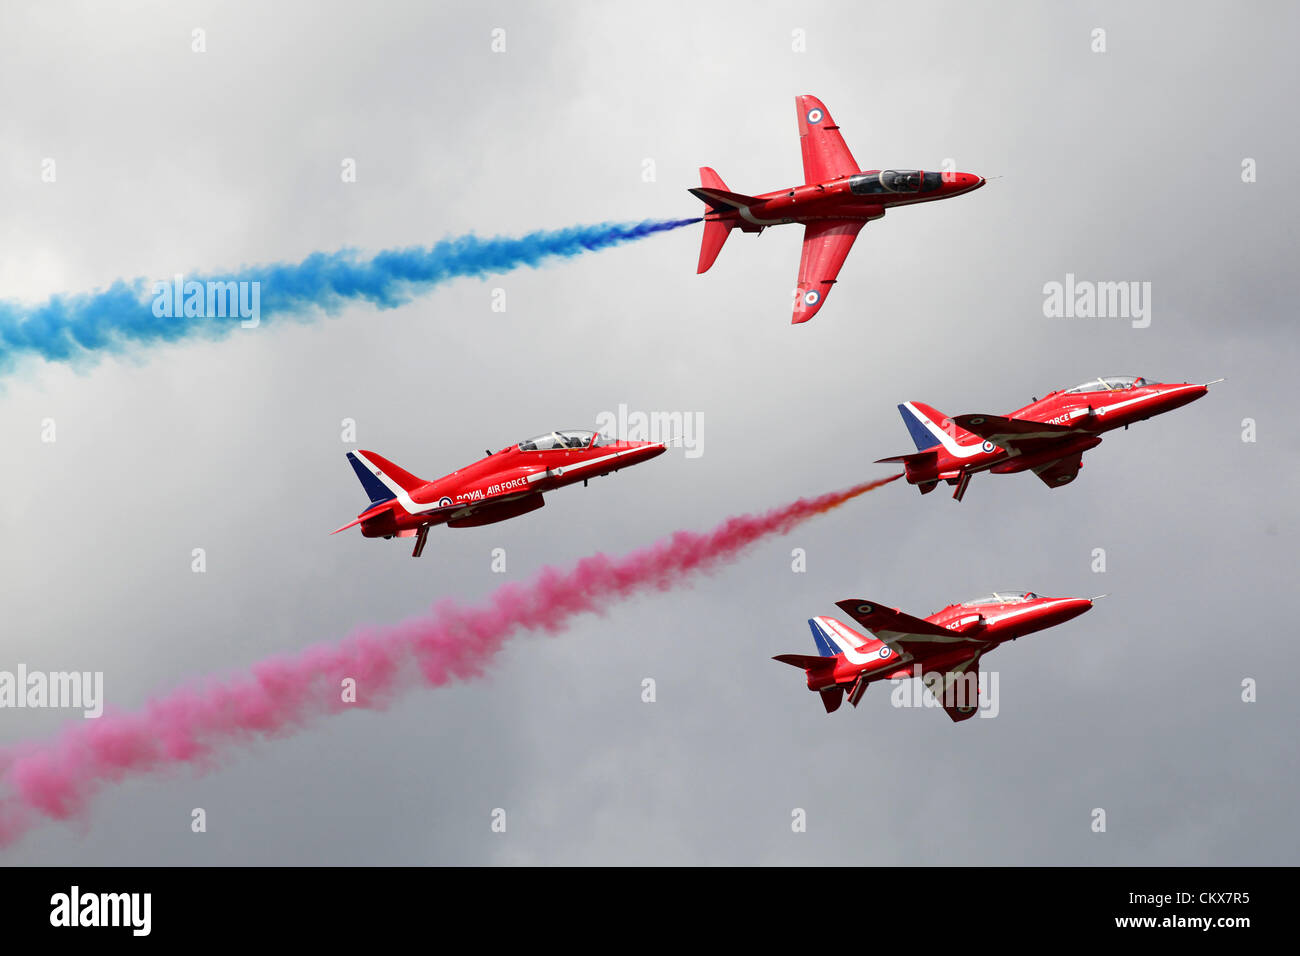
(1122, 165)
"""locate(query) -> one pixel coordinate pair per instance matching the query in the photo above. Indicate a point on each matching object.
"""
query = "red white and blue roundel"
(811, 297)
(444, 502)
(884, 651)
(815, 116)
(988, 446)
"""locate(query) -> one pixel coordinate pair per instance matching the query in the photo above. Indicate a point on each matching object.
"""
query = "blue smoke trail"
(68, 328)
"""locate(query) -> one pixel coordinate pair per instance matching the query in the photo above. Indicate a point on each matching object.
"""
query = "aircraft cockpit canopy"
(1113, 383)
(894, 181)
(556, 441)
(1003, 597)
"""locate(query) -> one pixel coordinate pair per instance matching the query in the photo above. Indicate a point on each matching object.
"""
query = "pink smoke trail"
(56, 779)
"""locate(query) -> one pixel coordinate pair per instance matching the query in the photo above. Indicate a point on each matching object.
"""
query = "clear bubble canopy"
(1002, 597)
(1111, 383)
(569, 438)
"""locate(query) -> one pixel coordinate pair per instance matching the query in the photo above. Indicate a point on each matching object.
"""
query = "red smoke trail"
(56, 779)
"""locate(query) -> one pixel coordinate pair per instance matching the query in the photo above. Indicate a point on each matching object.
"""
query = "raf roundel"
(811, 297)
(444, 502)
(884, 652)
(815, 116)
(988, 446)
(865, 609)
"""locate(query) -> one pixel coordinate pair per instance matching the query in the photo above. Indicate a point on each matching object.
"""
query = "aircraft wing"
(825, 157)
(1010, 431)
(1059, 472)
(960, 702)
(826, 245)
(904, 633)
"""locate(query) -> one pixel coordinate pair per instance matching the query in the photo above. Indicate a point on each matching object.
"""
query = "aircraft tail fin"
(929, 427)
(714, 193)
(823, 639)
(377, 491)
(381, 479)
(720, 200)
(835, 637)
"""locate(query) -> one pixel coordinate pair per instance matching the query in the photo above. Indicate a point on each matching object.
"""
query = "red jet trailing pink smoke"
(56, 779)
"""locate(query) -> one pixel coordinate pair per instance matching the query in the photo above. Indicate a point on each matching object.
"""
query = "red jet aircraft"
(500, 486)
(1047, 436)
(836, 201)
(950, 643)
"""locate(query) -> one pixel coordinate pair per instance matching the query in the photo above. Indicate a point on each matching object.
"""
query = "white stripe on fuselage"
(947, 441)
(1107, 409)
(567, 469)
(415, 508)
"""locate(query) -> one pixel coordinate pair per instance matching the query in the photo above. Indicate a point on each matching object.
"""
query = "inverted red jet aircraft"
(835, 202)
(500, 486)
(1047, 436)
(950, 642)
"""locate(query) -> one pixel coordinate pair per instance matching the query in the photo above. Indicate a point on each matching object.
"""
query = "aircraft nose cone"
(1070, 609)
(1178, 396)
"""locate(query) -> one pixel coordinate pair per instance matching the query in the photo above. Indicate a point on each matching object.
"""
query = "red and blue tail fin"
(826, 649)
(929, 427)
(377, 491)
(836, 637)
(822, 638)
(380, 476)
(384, 482)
